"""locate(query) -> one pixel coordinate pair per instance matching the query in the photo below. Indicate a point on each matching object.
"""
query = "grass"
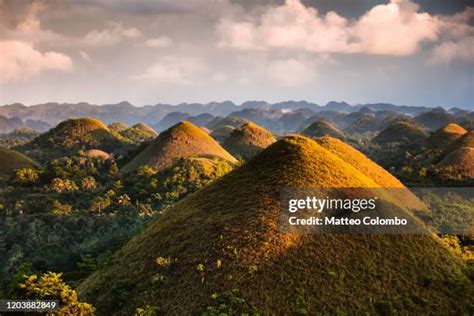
(322, 128)
(11, 160)
(180, 141)
(459, 162)
(225, 238)
(401, 132)
(444, 136)
(248, 140)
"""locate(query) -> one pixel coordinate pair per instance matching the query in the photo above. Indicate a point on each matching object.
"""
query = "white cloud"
(290, 72)
(449, 51)
(85, 56)
(173, 70)
(159, 42)
(21, 61)
(113, 34)
(397, 28)
(31, 21)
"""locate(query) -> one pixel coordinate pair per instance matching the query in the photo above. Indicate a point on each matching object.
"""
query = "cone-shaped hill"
(445, 136)
(467, 140)
(180, 141)
(459, 162)
(222, 133)
(225, 237)
(322, 128)
(11, 160)
(73, 135)
(219, 122)
(139, 133)
(117, 126)
(402, 132)
(248, 140)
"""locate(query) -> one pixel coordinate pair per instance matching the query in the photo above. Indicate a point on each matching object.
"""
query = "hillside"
(219, 122)
(139, 133)
(459, 162)
(11, 160)
(222, 245)
(435, 119)
(401, 132)
(73, 135)
(248, 140)
(322, 128)
(180, 141)
(467, 140)
(444, 136)
(222, 133)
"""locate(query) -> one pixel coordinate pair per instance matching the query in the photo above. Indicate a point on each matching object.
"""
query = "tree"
(50, 286)
(25, 176)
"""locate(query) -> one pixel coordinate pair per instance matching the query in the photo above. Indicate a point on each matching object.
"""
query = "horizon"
(270, 50)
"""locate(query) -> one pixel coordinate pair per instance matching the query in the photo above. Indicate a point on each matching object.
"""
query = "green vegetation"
(11, 160)
(403, 132)
(322, 128)
(139, 133)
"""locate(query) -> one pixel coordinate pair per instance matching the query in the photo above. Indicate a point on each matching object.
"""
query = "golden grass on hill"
(466, 140)
(444, 136)
(226, 237)
(222, 133)
(248, 140)
(73, 135)
(180, 141)
(322, 128)
(460, 161)
(11, 160)
(139, 133)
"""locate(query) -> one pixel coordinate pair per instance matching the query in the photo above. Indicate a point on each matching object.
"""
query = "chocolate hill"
(401, 132)
(222, 133)
(71, 136)
(460, 162)
(11, 160)
(445, 136)
(248, 140)
(180, 141)
(322, 128)
(139, 133)
(222, 245)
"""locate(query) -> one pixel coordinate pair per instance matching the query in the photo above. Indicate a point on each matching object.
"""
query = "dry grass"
(401, 132)
(460, 161)
(180, 141)
(248, 140)
(445, 136)
(322, 128)
(226, 237)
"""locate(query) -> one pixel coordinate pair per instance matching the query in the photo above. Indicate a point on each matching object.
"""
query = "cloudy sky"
(168, 51)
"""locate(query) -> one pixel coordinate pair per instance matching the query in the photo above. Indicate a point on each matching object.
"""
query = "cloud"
(113, 34)
(449, 51)
(290, 72)
(85, 56)
(159, 42)
(31, 22)
(20, 61)
(397, 28)
(173, 70)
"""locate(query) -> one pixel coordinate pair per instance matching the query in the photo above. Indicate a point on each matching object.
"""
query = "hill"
(180, 141)
(139, 133)
(222, 245)
(11, 160)
(435, 118)
(459, 162)
(222, 133)
(322, 128)
(117, 126)
(219, 122)
(401, 132)
(467, 140)
(73, 135)
(248, 140)
(445, 136)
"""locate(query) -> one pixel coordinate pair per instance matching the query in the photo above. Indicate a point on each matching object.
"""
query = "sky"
(167, 51)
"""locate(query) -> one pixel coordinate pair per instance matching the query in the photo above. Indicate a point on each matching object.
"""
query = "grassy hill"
(139, 133)
(444, 136)
(322, 128)
(459, 162)
(11, 160)
(180, 141)
(222, 245)
(401, 132)
(219, 122)
(222, 133)
(248, 140)
(74, 135)
(467, 140)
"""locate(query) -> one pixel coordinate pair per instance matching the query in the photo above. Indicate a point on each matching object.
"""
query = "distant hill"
(222, 245)
(435, 118)
(73, 135)
(322, 128)
(219, 122)
(220, 134)
(401, 132)
(444, 136)
(466, 140)
(248, 140)
(459, 162)
(180, 141)
(117, 126)
(11, 160)
(139, 133)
